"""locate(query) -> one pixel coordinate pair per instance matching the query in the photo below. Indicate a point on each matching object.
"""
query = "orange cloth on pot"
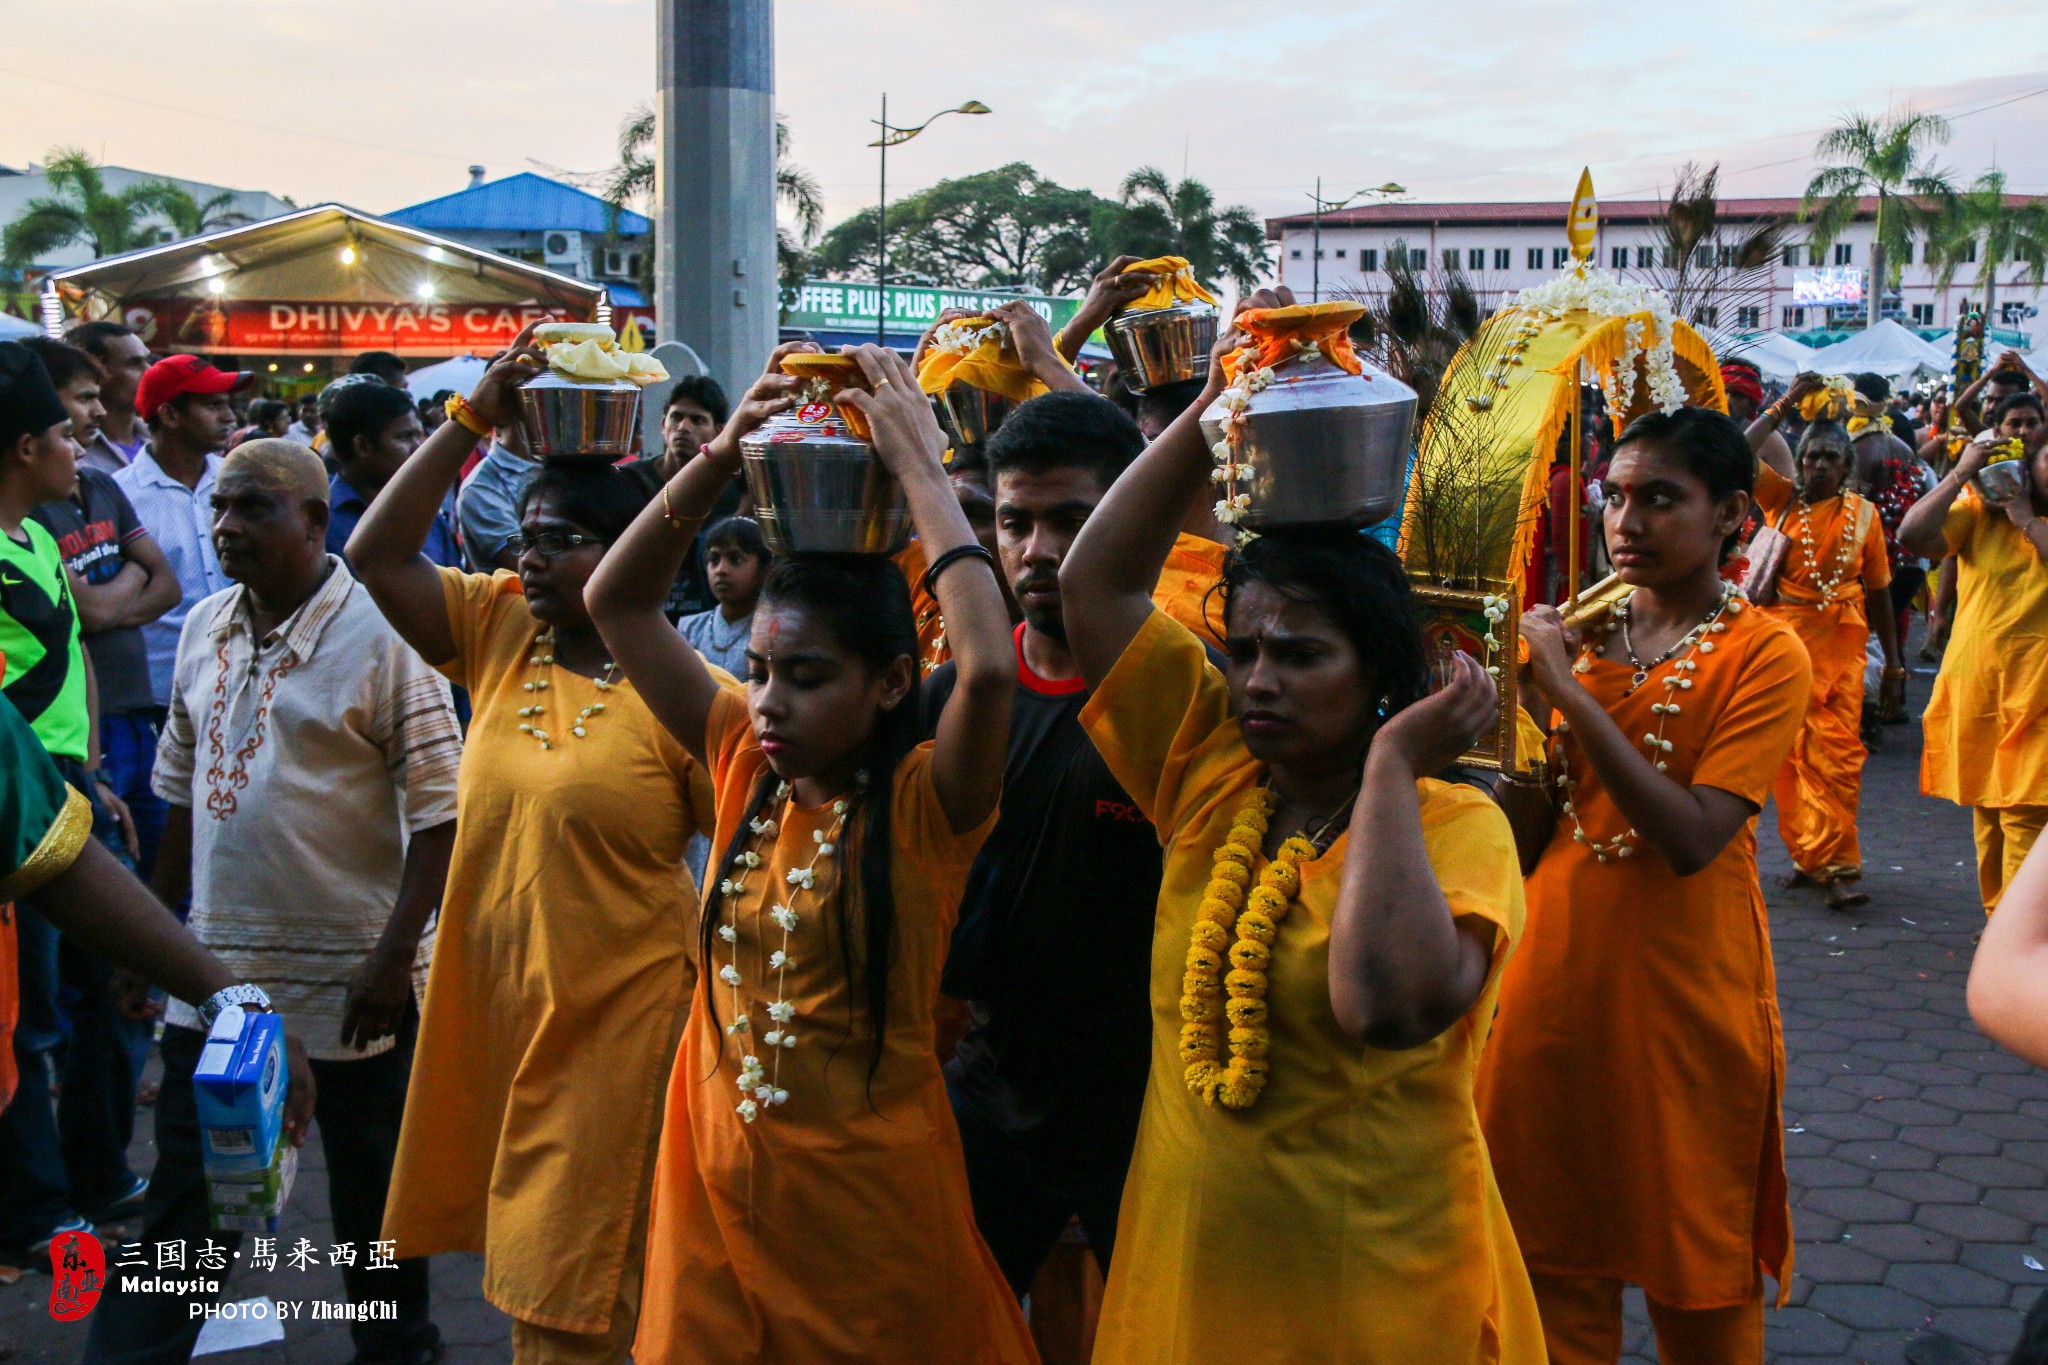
(1176, 284)
(993, 365)
(1277, 333)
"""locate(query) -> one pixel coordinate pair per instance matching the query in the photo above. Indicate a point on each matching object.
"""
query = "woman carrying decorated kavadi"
(1309, 1181)
(1987, 723)
(810, 1200)
(1630, 1092)
(1833, 590)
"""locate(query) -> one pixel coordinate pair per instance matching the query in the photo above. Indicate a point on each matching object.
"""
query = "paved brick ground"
(1918, 1152)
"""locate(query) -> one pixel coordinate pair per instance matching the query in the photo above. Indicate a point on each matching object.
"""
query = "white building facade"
(1503, 247)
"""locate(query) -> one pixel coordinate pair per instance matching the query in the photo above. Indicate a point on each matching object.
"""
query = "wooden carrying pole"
(1576, 495)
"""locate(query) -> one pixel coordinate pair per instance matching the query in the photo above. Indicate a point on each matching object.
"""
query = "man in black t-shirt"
(1053, 946)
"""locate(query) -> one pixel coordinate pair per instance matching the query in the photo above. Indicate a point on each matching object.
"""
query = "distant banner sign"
(232, 327)
(849, 306)
(1839, 285)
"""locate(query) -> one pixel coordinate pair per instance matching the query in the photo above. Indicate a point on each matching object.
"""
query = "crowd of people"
(778, 957)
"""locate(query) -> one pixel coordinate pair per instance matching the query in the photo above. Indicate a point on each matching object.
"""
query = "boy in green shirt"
(45, 673)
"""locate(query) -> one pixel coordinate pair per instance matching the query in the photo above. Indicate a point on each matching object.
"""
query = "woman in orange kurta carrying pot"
(1630, 1091)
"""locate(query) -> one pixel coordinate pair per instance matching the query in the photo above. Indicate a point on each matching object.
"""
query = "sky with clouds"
(381, 103)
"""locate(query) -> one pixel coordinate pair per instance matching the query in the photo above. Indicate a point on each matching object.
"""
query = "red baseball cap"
(176, 375)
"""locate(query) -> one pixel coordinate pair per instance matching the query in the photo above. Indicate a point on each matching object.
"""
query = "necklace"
(1683, 666)
(1233, 904)
(762, 1085)
(543, 657)
(1845, 552)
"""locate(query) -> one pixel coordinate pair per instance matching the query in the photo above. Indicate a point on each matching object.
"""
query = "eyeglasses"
(548, 544)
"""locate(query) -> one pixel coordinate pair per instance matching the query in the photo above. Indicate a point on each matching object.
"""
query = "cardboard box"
(239, 1088)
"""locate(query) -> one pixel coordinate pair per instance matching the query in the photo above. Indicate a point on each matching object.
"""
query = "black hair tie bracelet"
(951, 557)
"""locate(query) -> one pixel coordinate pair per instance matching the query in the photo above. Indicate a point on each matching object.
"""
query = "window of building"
(1816, 254)
(1750, 317)
(1501, 257)
(1706, 315)
(2012, 313)
(1340, 253)
(1702, 256)
(1618, 258)
(1724, 255)
(1295, 254)
(1792, 319)
(1418, 259)
(1923, 314)
(1319, 255)
(1558, 256)
(1791, 255)
(1970, 249)
(1475, 258)
(1535, 258)
(1451, 258)
(1845, 253)
(1368, 258)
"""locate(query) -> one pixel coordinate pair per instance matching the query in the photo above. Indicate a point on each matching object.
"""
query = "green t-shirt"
(45, 676)
(43, 823)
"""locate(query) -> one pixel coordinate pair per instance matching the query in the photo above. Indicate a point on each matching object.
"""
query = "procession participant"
(1833, 591)
(810, 1201)
(1986, 721)
(297, 674)
(560, 971)
(1325, 1194)
(1047, 1129)
(123, 357)
(1743, 383)
(372, 429)
(1647, 963)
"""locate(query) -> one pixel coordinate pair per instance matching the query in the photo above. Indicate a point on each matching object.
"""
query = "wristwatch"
(247, 995)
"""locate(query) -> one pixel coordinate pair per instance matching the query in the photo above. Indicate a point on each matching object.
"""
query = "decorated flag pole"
(1581, 228)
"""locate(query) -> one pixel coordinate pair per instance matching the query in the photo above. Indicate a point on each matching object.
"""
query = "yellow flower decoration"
(1201, 958)
(1250, 1042)
(1229, 892)
(1197, 1009)
(1248, 954)
(1226, 870)
(1282, 878)
(1244, 984)
(1267, 901)
(1246, 1013)
(1219, 913)
(1257, 926)
(1238, 853)
(1211, 935)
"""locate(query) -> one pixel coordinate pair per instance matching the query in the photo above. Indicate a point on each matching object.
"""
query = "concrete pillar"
(715, 288)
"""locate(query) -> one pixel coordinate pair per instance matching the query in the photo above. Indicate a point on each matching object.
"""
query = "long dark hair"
(864, 603)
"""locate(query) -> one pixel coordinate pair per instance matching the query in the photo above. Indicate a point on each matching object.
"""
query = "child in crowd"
(736, 563)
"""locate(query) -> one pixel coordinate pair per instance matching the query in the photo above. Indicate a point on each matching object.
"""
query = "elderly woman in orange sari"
(1987, 723)
(1833, 590)
(1630, 1091)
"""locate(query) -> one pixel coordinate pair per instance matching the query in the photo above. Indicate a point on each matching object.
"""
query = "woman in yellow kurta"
(1832, 591)
(561, 973)
(1309, 1182)
(1630, 1093)
(1987, 723)
(811, 1200)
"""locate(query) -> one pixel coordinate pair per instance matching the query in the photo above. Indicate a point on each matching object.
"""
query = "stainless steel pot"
(575, 417)
(970, 415)
(1323, 445)
(2002, 480)
(818, 488)
(1163, 346)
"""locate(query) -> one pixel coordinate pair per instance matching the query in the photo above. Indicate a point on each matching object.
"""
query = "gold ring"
(881, 384)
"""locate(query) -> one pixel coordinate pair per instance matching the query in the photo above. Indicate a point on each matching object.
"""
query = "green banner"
(849, 306)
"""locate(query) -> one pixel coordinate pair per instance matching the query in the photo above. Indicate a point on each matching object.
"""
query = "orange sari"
(1837, 557)
(836, 1226)
(1630, 1091)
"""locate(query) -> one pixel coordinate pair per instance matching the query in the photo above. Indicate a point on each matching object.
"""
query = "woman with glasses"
(561, 974)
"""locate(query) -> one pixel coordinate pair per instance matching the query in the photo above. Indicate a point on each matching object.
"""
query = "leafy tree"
(1989, 228)
(189, 215)
(82, 209)
(1882, 159)
(631, 181)
(1009, 227)
(1162, 218)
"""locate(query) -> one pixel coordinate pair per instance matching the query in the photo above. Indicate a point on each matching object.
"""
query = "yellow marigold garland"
(1251, 910)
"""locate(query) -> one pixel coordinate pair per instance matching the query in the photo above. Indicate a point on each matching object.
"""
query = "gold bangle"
(668, 513)
(460, 412)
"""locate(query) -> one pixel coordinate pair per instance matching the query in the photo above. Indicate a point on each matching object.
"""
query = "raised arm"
(1109, 574)
(1920, 529)
(973, 734)
(1033, 340)
(1765, 442)
(385, 549)
(626, 593)
(1108, 294)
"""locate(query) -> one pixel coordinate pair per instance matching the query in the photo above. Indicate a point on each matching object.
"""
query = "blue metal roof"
(519, 203)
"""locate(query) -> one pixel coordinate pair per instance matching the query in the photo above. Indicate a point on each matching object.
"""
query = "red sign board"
(256, 328)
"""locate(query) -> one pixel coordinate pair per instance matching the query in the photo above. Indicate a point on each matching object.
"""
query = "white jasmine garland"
(1646, 339)
(956, 338)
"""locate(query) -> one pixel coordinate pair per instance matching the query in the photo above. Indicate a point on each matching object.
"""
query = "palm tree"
(1161, 218)
(1884, 159)
(632, 181)
(1985, 221)
(81, 210)
(190, 216)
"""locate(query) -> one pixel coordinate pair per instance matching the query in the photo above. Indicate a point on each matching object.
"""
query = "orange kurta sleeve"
(1161, 711)
(1186, 587)
(1752, 734)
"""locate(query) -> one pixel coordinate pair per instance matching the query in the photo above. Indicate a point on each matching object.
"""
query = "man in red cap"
(185, 402)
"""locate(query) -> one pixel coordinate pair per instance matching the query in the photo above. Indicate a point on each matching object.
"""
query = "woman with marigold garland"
(1631, 1091)
(810, 1199)
(1309, 1182)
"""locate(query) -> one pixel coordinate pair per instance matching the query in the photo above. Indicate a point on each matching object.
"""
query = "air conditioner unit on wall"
(620, 264)
(563, 251)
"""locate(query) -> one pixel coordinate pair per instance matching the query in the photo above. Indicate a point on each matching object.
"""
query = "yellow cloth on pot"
(1176, 284)
(991, 365)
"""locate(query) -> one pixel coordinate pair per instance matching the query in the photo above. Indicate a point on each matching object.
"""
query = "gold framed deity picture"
(1480, 622)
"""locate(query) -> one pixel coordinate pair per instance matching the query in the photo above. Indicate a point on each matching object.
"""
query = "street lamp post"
(1388, 190)
(890, 137)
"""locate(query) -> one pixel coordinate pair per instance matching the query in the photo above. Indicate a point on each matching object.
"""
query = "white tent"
(13, 328)
(1887, 349)
(456, 375)
(1774, 353)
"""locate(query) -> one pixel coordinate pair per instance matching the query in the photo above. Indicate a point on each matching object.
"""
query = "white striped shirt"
(181, 519)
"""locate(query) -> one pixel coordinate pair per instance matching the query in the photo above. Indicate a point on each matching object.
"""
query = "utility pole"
(715, 262)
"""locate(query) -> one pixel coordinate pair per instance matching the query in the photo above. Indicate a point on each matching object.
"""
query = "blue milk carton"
(239, 1089)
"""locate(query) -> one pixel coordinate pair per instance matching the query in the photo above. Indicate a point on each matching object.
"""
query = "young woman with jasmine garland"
(1309, 1182)
(1630, 1093)
(810, 1200)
